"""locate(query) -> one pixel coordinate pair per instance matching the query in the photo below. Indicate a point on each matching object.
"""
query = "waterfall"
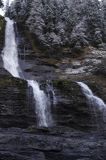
(93, 100)
(10, 60)
(10, 53)
(42, 105)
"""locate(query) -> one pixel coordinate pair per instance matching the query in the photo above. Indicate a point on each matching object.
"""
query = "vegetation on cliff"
(58, 23)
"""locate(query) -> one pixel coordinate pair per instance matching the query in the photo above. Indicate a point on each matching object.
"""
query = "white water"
(93, 100)
(10, 53)
(10, 60)
(42, 105)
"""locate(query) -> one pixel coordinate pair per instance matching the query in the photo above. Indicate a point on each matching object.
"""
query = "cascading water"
(42, 105)
(10, 54)
(10, 60)
(92, 99)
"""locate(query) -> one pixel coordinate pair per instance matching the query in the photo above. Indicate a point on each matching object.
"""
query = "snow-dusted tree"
(20, 9)
(94, 21)
(52, 21)
(56, 23)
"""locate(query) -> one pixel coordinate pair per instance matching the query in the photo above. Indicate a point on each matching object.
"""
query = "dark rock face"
(78, 135)
(72, 108)
(58, 143)
(2, 28)
(15, 110)
(79, 130)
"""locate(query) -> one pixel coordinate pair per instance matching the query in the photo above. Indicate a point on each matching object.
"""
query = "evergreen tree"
(94, 21)
(56, 23)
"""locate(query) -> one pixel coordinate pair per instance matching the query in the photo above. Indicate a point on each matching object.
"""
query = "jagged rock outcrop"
(15, 110)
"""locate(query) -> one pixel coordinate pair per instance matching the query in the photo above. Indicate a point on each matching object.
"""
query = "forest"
(63, 23)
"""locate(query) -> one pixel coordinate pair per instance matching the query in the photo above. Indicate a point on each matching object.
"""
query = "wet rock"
(72, 109)
(20, 144)
(2, 31)
(15, 110)
(78, 132)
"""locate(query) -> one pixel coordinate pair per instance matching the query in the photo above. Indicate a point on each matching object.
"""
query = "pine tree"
(94, 21)
(72, 23)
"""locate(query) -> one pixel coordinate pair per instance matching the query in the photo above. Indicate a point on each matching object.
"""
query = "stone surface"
(77, 134)
(18, 144)
(15, 110)
(79, 130)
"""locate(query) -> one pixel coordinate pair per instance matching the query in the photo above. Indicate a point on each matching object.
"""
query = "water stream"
(10, 53)
(93, 100)
(11, 64)
(42, 110)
